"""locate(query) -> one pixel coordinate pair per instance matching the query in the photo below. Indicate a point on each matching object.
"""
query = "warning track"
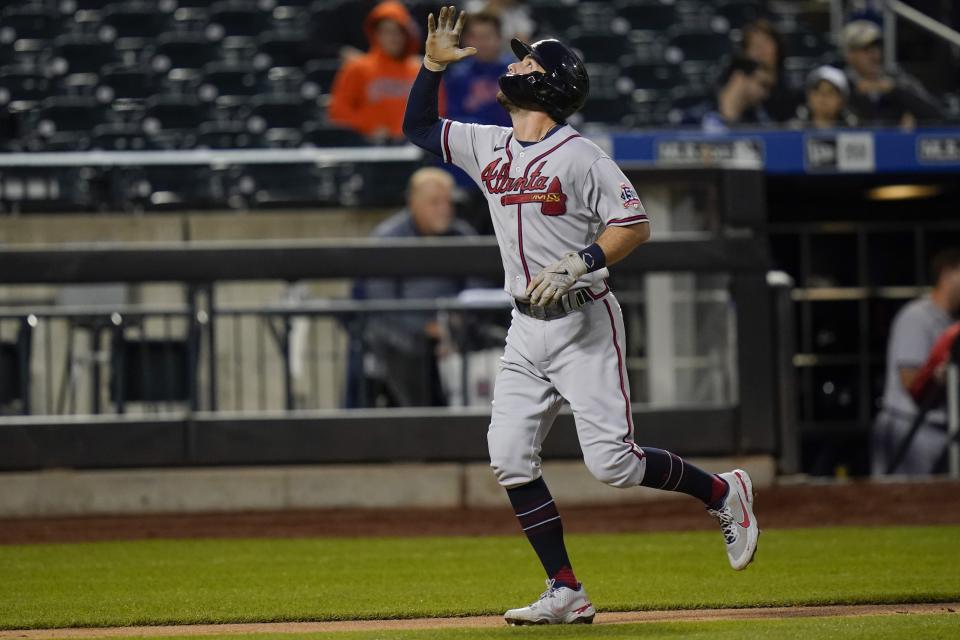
(621, 617)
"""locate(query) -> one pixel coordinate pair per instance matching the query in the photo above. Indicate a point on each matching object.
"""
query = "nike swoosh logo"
(742, 484)
(498, 148)
(746, 516)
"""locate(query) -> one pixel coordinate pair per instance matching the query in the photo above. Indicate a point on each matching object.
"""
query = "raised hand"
(443, 39)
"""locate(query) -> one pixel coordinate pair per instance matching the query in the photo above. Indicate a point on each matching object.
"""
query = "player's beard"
(505, 102)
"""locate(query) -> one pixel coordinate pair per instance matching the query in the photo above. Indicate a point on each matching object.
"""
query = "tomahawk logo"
(533, 188)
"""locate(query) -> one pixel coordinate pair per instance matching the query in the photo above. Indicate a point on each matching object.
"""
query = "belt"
(570, 302)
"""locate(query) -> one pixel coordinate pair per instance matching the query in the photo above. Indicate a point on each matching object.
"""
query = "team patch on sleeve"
(628, 196)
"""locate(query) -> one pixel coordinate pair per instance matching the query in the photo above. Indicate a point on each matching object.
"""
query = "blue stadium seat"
(703, 45)
(85, 54)
(282, 50)
(282, 118)
(653, 76)
(183, 51)
(331, 136)
(22, 87)
(649, 16)
(600, 47)
(64, 123)
(237, 18)
(126, 89)
(172, 121)
(257, 186)
(318, 77)
(171, 187)
(30, 27)
(228, 135)
(229, 84)
(132, 25)
(120, 136)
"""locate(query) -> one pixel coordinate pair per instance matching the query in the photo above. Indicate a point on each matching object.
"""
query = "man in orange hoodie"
(370, 91)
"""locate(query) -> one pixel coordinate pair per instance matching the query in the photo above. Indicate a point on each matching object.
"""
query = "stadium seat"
(228, 84)
(170, 187)
(126, 84)
(282, 50)
(600, 47)
(805, 44)
(237, 18)
(554, 19)
(648, 16)
(331, 136)
(172, 121)
(258, 186)
(698, 45)
(608, 110)
(283, 80)
(281, 118)
(318, 78)
(176, 51)
(30, 27)
(653, 77)
(228, 135)
(21, 88)
(80, 54)
(739, 13)
(120, 136)
(132, 25)
(604, 80)
(334, 24)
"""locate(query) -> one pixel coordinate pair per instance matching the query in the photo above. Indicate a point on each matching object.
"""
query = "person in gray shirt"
(401, 347)
(915, 328)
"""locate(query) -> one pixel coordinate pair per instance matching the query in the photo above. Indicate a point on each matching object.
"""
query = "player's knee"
(618, 471)
(510, 467)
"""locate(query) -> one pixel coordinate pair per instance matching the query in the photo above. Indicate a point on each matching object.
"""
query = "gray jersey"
(546, 199)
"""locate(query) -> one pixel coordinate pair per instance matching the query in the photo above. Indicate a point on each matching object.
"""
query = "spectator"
(915, 329)
(370, 91)
(827, 94)
(879, 97)
(744, 85)
(515, 21)
(403, 346)
(472, 85)
(762, 43)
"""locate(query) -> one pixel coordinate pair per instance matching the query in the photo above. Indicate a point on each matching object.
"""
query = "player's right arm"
(421, 121)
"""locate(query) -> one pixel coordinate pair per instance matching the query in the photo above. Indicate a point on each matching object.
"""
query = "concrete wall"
(57, 493)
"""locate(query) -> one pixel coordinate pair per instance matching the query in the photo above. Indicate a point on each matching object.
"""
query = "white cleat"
(737, 522)
(557, 605)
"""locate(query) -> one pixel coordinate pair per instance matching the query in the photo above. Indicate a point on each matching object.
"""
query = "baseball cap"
(832, 75)
(860, 34)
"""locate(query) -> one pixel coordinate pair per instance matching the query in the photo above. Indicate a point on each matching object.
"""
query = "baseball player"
(562, 212)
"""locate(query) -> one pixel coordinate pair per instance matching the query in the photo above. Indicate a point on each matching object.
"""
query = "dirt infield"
(695, 615)
(855, 503)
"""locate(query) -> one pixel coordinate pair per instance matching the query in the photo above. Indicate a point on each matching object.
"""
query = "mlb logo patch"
(628, 196)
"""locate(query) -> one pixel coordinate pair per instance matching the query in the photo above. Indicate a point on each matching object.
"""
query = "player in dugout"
(563, 212)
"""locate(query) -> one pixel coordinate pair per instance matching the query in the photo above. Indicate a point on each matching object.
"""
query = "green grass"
(915, 627)
(193, 581)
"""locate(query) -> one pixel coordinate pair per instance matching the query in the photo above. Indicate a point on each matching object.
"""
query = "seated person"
(744, 85)
(763, 43)
(826, 105)
(879, 96)
(402, 346)
(916, 328)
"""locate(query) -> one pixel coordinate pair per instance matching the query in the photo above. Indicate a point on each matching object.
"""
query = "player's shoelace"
(549, 593)
(727, 525)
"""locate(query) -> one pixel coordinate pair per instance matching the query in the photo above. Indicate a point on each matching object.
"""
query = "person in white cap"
(827, 93)
(878, 96)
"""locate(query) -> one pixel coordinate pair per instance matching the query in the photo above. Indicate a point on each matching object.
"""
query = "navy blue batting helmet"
(560, 91)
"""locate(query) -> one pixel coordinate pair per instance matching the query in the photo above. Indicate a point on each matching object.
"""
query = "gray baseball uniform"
(547, 199)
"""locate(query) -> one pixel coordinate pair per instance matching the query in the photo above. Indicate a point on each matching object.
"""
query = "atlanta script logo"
(533, 187)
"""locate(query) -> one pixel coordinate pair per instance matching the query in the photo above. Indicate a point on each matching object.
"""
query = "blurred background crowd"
(131, 74)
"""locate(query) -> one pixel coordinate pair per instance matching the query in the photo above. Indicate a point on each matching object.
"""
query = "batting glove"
(549, 285)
